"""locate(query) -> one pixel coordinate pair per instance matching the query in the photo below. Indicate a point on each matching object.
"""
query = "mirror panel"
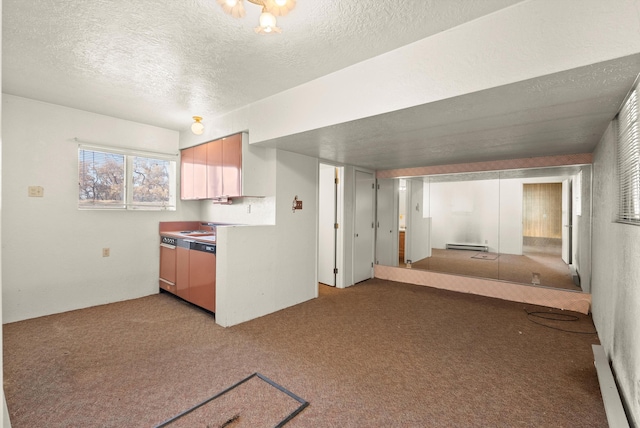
(526, 226)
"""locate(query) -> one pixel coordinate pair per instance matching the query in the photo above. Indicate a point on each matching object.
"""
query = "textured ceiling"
(558, 114)
(162, 62)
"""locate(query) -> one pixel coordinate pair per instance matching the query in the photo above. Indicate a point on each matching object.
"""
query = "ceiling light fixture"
(197, 127)
(270, 9)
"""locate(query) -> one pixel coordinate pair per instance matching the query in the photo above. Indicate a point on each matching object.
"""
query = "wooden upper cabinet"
(227, 168)
(200, 172)
(193, 173)
(232, 165)
(186, 173)
(214, 168)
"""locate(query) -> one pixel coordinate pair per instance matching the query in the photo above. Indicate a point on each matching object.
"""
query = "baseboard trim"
(613, 407)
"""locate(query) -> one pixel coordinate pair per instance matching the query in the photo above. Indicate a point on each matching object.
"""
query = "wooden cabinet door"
(200, 172)
(182, 272)
(214, 169)
(232, 165)
(168, 264)
(186, 173)
(202, 279)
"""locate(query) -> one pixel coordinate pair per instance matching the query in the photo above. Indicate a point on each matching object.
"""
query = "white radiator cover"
(470, 247)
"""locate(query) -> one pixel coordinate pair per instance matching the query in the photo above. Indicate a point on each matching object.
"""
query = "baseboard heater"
(470, 247)
(616, 415)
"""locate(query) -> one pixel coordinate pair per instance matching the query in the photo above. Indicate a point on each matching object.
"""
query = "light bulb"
(281, 2)
(267, 21)
(197, 127)
(231, 3)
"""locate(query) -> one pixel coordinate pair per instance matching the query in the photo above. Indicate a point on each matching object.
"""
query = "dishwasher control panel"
(207, 248)
(167, 240)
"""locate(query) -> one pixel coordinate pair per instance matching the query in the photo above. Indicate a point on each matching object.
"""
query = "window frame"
(129, 155)
(627, 125)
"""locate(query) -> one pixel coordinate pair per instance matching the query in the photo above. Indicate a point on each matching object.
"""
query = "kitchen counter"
(208, 237)
(191, 230)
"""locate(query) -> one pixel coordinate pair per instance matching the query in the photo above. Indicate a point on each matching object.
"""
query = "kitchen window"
(628, 154)
(122, 179)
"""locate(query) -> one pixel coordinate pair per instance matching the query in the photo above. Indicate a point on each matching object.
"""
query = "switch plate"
(106, 252)
(36, 191)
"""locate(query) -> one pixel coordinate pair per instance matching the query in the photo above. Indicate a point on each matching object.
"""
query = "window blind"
(629, 160)
(111, 179)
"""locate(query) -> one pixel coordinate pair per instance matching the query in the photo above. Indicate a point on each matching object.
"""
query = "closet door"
(364, 231)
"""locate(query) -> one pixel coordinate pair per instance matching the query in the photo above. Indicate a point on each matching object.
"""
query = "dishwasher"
(202, 275)
(168, 263)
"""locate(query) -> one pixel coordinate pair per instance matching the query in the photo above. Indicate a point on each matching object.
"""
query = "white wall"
(262, 269)
(615, 281)
(52, 252)
(510, 217)
(465, 213)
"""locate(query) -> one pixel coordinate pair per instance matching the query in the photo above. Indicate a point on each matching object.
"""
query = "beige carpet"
(553, 272)
(378, 354)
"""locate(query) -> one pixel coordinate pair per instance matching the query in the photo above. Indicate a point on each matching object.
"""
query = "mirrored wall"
(529, 226)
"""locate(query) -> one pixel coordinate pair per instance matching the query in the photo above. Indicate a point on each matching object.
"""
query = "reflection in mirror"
(525, 226)
(464, 217)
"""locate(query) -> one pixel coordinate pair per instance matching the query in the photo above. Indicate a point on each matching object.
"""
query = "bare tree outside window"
(101, 178)
(115, 180)
(150, 181)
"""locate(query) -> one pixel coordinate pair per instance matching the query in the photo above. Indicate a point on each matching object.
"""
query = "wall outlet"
(249, 209)
(106, 252)
(36, 191)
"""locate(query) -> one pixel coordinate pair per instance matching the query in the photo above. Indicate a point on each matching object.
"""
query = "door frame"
(567, 217)
(340, 218)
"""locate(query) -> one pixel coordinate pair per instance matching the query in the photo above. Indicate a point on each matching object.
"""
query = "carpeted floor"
(553, 272)
(376, 354)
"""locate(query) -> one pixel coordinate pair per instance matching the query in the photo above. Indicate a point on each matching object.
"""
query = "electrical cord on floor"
(555, 316)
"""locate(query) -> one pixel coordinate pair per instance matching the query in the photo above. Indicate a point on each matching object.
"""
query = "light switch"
(36, 191)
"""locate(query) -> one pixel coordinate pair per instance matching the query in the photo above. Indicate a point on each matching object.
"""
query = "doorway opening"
(546, 232)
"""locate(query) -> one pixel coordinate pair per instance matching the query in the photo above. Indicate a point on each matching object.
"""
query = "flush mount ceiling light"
(270, 9)
(197, 127)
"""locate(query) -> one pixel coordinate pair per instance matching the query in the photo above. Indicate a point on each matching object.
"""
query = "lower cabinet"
(195, 275)
(202, 279)
(182, 270)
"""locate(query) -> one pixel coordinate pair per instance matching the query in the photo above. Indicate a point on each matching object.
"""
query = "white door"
(387, 222)
(326, 225)
(364, 231)
(566, 221)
